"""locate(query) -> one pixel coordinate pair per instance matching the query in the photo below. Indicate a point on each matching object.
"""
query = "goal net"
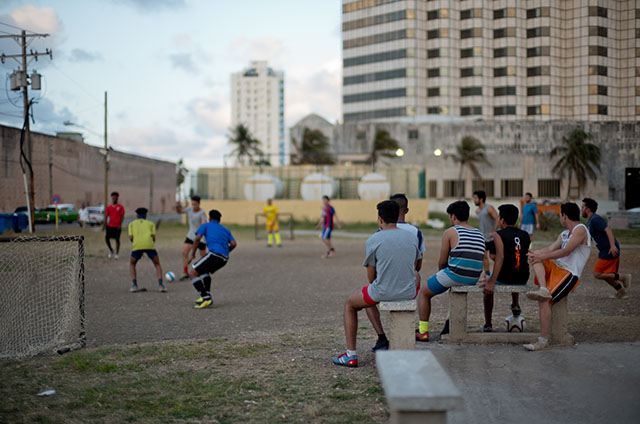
(285, 223)
(41, 295)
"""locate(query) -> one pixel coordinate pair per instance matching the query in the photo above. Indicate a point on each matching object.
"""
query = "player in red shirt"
(112, 223)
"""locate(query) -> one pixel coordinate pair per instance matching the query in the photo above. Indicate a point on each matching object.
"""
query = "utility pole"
(22, 78)
(106, 161)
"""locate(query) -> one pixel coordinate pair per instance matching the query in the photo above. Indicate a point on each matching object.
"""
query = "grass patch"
(216, 380)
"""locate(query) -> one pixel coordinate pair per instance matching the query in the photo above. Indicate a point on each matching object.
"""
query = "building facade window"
(453, 188)
(504, 52)
(598, 110)
(471, 33)
(598, 11)
(600, 90)
(375, 76)
(548, 188)
(376, 57)
(538, 51)
(470, 13)
(434, 110)
(379, 38)
(485, 185)
(433, 189)
(507, 90)
(379, 19)
(470, 91)
(470, 110)
(598, 51)
(437, 33)
(413, 134)
(538, 32)
(433, 92)
(598, 70)
(504, 32)
(537, 12)
(534, 71)
(504, 110)
(539, 90)
(507, 12)
(597, 31)
(474, 71)
(511, 188)
(437, 14)
(375, 114)
(504, 71)
(538, 110)
(439, 52)
(435, 72)
(374, 95)
(471, 52)
(364, 4)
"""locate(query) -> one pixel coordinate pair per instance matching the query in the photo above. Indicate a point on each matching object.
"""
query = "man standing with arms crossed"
(530, 217)
(114, 214)
(488, 222)
(326, 223)
(606, 267)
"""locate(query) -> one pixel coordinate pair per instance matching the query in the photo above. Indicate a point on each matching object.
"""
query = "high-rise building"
(498, 59)
(257, 101)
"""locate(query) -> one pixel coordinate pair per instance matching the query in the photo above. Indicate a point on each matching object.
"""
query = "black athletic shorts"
(490, 246)
(113, 233)
(201, 245)
(210, 263)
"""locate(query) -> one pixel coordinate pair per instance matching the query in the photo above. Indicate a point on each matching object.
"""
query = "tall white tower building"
(257, 101)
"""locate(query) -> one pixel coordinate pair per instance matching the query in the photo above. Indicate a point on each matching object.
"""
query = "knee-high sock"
(270, 239)
(199, 286)
(206, 280)
(278, 238)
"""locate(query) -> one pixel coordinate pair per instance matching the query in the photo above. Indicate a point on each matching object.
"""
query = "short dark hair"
(591, 204)
(115, 193)
(215, 215)
(529, 194)
(401, 200)
(195, 198)
(388, 210)
(571, 210)
(509, 213)
(481, 195)
(459, 209)
(326, 197)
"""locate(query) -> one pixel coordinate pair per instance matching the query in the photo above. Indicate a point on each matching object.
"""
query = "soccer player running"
(390, 260)
(271, 213)
(488, 220)
(530, 217)
(142, 234)
(608, 262)
(220, 242)
(326, 223)
(558, 267)
(195, 218)
(114, 215)
(511, 266)
(373, 313)
(460, 263)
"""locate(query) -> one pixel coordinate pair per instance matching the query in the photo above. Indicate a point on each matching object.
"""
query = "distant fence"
(228, 183)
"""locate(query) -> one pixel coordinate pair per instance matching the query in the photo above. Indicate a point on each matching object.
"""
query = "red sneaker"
(422, 337)
(346, 361)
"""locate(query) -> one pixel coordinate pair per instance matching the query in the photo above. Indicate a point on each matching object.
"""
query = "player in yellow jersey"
(271, 212)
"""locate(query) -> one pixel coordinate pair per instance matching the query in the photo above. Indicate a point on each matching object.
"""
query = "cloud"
(80, 55)
(189, 54)
(154, 5)
(264, 48)
(184, 61)
(36, 19)
(48, 119)
(313, 90)
(211, 114)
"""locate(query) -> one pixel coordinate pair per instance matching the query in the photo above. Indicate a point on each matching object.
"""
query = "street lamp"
(400, 152)
(437, 152)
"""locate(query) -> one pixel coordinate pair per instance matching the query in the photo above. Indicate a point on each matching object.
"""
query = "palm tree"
(576, 158)
(246, 146)
(312, 149)
(469, 153)
(383, 145)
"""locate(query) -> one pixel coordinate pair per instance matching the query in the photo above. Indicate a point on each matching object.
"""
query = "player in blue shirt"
(220, 242)
(530, 217)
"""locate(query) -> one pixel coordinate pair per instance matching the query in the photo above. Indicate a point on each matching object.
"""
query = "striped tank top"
(465, 260)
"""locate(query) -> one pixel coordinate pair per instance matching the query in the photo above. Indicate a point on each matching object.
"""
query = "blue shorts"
(440, 282)
(326, 233)
(137, 254)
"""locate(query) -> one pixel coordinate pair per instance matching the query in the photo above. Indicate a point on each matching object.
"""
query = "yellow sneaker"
(199, 300)
(204, 304)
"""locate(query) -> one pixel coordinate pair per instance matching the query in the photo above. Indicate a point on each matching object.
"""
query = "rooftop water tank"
(263, 187)
(374, 187)
(315, 186)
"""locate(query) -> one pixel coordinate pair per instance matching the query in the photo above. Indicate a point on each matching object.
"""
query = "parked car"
(96, 215)
(23, 210)
(66, 213)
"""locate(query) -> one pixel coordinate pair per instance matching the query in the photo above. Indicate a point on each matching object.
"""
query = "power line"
(86, 92)
(15, 27)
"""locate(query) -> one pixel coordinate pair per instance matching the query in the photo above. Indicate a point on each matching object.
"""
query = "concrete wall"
(349, 211)
(77, 175)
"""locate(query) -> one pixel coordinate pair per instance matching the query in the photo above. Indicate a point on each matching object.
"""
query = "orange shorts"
(560, 282)
(607, 266)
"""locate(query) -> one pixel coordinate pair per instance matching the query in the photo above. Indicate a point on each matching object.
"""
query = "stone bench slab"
(398, 305)
(496, 289)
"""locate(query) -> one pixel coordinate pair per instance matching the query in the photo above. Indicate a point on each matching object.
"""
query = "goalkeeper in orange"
(271, 212)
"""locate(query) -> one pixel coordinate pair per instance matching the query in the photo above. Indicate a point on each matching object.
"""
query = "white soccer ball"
(515, 323)
(170, 276)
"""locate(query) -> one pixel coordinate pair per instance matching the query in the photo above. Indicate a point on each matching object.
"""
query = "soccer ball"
(170, 276)
(515, 323)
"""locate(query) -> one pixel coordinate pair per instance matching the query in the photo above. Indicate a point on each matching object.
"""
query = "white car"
(96, 215)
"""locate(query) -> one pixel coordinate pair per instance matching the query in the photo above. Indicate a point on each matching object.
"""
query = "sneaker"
(162, 288)
(487, 328)
(184, 277)
(445, 329)
(627, 282)
(539, 345)
(381, 345)
(268, 245)
(541, 295)
(199, 300)
(346, 361)
(621, 294)
(116, 256)
(331, 253)
(516, 310)
(422, 337)
(134, 289)
(204, 304)
(110, 255)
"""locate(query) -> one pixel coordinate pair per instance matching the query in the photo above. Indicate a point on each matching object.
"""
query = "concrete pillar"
(458, 318)
(560, 324)
(402, 330)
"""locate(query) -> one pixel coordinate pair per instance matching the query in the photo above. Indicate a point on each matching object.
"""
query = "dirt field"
(264, 290)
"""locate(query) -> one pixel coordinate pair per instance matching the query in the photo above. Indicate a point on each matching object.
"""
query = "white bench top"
(413, 380)
(398, 305)
(497, 289)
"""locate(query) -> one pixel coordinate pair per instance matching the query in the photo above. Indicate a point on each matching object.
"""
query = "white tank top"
(574, 263)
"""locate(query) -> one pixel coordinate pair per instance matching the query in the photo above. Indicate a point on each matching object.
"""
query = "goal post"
(41, 295)
(285, 221)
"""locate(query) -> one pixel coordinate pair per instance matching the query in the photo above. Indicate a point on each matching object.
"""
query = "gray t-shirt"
(486, 222)
(195, 220)
(393, 253)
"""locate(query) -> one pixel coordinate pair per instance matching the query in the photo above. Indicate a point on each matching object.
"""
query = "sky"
(166, 65)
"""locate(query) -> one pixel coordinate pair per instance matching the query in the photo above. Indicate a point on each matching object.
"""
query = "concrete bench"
(417, 388)
(402, 325)
(458, 319)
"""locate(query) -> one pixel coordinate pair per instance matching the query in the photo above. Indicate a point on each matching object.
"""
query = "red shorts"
(368, 300)
(607, 266)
